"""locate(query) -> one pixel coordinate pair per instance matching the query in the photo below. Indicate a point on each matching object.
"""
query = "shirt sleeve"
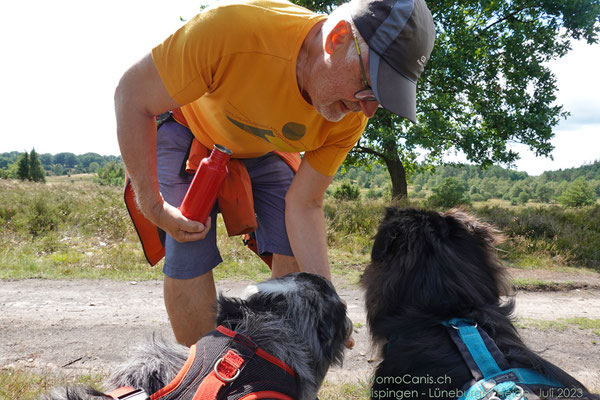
(187, 60)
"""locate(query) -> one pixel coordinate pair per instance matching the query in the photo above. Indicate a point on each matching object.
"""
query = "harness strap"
(499, 383)
(470, 336)
(226, 370)
(242, 339)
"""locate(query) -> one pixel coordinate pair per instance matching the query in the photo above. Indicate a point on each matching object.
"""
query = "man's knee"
(190, 305)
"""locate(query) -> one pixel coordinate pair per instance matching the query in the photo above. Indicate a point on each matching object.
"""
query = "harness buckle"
(520, 395)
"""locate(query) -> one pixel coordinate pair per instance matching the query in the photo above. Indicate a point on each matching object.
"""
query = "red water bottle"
(202, 193)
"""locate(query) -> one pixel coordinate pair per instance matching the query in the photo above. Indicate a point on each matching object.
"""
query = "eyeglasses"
(365, 94)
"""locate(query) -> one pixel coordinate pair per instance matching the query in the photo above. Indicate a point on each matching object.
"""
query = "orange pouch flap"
(236, 202)
(151, 237)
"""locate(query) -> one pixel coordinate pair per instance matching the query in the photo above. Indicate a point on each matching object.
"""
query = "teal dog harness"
(482, 356)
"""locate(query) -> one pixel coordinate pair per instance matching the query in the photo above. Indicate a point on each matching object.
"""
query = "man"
(259, 77)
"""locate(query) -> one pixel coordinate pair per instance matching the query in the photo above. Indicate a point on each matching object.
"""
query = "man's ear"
(338, 36)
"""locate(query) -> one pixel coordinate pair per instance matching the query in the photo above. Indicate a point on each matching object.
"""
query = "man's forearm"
(138, 98)
(308, 238)
(137, 138)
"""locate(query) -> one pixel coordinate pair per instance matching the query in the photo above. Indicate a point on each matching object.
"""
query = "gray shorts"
(270, 177)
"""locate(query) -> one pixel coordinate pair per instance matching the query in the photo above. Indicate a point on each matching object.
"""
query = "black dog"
(426, 269)
(288, 331)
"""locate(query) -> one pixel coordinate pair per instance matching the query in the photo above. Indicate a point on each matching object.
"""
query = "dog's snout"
(349, 327)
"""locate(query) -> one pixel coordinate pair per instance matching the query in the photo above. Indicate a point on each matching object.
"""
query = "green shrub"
(569, 234)
(374, 194)
(112, 174)
(450, 193)
(577, 194)
(347, 218)
(478, 197)
(43, 216)
(523, 198)
(347, 191)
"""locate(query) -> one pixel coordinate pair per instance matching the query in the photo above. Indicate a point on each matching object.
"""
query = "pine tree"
(578, 194)
(23, 169)
(36, 172)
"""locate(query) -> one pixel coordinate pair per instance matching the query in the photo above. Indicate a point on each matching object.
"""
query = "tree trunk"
(398, 176)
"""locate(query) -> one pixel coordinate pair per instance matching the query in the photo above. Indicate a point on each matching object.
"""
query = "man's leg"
(283, 265)
(189, 288)
(271, 178)
(191, 307)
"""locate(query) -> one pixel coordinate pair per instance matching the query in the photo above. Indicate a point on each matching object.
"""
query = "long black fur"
(298, 318)
(427, 267)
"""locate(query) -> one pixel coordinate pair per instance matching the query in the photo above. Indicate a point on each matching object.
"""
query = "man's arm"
(305, 220)
(139, 97)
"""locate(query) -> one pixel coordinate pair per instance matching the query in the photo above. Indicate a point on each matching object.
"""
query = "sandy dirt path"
(71, 327)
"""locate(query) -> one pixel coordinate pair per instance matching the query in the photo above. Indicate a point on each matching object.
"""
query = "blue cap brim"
(394, 91)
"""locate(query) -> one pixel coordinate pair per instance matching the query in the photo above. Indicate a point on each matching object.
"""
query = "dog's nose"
(349, 330)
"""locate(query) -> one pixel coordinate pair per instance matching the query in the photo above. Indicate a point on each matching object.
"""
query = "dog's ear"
(230, 309)
(310, 304)
(480, 230)
(386, 234)
(320, 316)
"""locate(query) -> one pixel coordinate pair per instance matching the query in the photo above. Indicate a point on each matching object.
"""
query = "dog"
(428, 268)
(290, 330)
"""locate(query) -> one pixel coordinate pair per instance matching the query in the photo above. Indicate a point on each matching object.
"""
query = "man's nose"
(369, 107)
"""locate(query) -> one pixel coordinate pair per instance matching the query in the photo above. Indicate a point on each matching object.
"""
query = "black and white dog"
(287, 332)
(426, 269)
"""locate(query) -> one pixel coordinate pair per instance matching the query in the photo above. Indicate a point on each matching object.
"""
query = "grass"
(72, 228)
(561, 324)
(26, 385)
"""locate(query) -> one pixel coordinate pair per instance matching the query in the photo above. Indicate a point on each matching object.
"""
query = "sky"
(62, 60)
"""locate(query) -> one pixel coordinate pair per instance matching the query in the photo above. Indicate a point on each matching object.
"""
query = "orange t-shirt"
(233, 68)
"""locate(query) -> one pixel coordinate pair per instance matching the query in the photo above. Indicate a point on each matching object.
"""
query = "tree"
(58, 169)
(23, 167)
(85, 160)
(544, 193)
(578, 193)
(93, 167)
(68, 160)
(46, 160)
(36, 172)
(486, 85)
(450, 193)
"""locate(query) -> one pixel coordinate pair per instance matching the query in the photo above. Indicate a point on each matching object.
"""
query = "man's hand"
(182, 229)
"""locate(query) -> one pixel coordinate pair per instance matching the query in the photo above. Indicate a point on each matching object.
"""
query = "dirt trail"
(91, 326)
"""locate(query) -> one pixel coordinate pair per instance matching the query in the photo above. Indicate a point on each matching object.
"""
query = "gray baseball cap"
(400, 35)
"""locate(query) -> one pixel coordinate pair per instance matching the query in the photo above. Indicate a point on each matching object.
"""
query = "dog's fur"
(427, 267)
(298, 318)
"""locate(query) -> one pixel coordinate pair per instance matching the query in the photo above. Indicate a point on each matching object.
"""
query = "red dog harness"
(224, 365)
